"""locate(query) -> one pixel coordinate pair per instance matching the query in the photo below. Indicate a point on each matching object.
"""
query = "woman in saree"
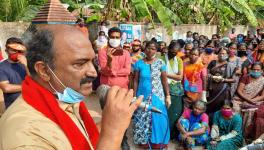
(174, 67)
(150, 128)
(219, 80)
(250, 94)
(226, 132)
(194, 79)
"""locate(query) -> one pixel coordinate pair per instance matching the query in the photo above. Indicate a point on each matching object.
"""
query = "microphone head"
(101, 92)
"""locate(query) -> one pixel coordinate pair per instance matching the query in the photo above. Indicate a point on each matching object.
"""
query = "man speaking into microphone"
(51, 114)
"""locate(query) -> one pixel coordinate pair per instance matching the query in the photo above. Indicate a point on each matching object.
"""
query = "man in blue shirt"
(13, 70)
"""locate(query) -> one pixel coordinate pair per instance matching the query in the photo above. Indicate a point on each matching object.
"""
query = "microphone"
(102, 91)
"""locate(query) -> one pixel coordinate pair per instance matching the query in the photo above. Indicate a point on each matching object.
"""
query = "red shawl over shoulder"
(45, 102)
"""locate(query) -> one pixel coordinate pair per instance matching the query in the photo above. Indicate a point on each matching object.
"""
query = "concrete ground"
(95, 111)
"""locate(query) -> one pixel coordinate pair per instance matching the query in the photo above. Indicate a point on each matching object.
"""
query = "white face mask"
(102, 38)
(114, 42)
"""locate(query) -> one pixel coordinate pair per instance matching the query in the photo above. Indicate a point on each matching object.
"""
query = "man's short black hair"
(152, 42)
(100, 32)
(114, 29)
(40, 48)
(194, 33)
(162, 42)
(14, 40)
(181, 42)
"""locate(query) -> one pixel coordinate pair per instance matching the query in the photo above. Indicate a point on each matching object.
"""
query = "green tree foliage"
(141, 10)
(19, 10)
(223, 13)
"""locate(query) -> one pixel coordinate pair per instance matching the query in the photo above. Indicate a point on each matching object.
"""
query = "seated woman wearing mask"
(250, 89)
(226, 132)
(193, 126)
(250, 94)
(219, 80)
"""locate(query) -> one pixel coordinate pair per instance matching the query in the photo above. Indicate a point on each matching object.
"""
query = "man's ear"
(42, 70)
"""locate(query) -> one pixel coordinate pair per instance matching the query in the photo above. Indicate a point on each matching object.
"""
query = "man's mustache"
(87, 79)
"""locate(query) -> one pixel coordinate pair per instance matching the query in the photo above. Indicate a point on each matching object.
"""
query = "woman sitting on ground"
(250, 89)
(193, 125)
(226, 132)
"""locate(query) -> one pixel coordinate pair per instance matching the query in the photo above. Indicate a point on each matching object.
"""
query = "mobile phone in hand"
(118, 52)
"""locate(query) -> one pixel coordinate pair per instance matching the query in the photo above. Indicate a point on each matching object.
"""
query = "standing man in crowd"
(13, 70)
(115, 63)
(137, 53)
(51, 113)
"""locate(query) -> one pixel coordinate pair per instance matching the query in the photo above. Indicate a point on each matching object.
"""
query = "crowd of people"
(209, 91)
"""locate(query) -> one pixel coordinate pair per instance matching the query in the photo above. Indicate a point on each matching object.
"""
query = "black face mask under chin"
(241, 53)
(136, 50)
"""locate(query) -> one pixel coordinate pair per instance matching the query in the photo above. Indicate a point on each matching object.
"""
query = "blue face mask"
(255, 74)
(240, 39)
(69, 95)
(208, 50)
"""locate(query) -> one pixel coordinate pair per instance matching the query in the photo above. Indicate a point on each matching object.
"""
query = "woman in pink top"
(193, 126)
